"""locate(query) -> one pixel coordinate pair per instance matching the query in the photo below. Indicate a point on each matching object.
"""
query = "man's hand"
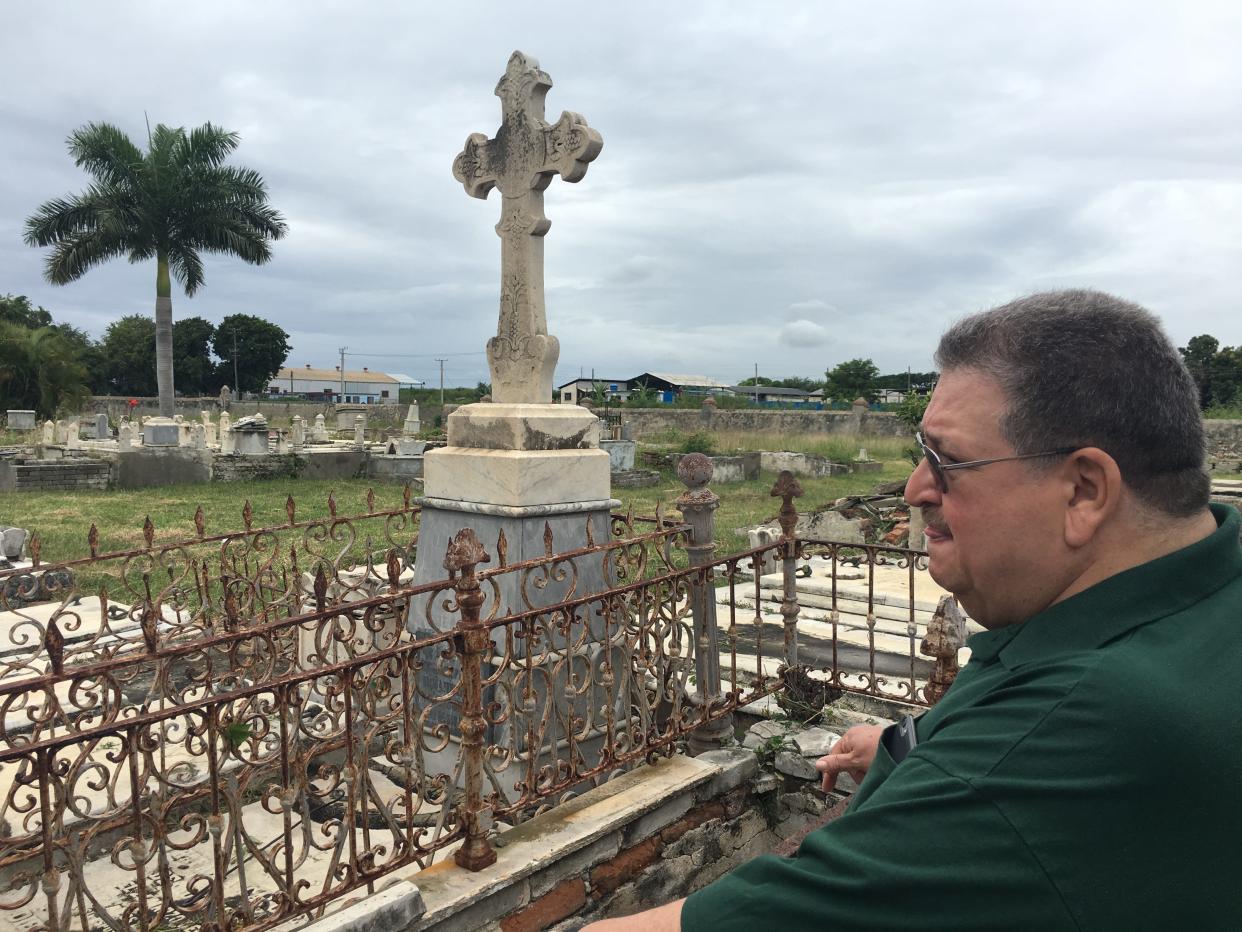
(853, 754)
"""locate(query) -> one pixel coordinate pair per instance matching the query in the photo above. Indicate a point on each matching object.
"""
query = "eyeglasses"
(938, 468)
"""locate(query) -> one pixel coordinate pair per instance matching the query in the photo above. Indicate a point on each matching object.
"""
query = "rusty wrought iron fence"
(258, 731)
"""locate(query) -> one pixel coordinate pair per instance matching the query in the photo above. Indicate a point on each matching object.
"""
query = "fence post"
(472, 640)
(946, 633)
(698, 505)
(787, 489)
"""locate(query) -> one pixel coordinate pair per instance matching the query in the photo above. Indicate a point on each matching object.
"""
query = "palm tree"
(170, 203)
(40, 369)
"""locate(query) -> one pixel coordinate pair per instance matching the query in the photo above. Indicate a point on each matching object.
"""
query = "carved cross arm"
(571, 145)
(473, 166)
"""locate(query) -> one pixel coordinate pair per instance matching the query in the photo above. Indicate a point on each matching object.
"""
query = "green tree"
(128, 351)
(17, 309)
(171, 203)
(196, 375)
(854, 378)
(40, 369)
(1198, 354)
(262, 348)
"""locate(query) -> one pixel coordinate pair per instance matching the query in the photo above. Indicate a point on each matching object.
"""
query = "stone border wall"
(643, 839)
(56, 476)
(1224, 444)
(644, 423)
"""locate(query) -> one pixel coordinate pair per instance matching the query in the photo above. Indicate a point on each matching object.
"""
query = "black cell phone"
(899, 738)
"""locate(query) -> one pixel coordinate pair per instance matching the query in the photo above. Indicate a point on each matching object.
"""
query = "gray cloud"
(789, 185)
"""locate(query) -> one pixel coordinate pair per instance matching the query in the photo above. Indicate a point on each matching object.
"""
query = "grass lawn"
(62, 519)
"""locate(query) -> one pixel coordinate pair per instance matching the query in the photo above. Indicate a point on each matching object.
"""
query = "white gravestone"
(124, 437)
(49, 432)
(103, 430)
(209, 428)
(320, 432)
(360, 432)
(200, 437)
(73, 437)
(412, 424)
(299, 434)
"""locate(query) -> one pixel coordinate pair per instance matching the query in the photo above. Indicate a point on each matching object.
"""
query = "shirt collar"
(1122, 602)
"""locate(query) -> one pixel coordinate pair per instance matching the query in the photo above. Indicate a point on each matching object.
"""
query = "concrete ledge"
(394, 907)
(597, 820)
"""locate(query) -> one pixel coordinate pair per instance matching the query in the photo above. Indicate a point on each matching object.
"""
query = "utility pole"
(342, 351)
(236, 383)
(441, 362)
(756, 385)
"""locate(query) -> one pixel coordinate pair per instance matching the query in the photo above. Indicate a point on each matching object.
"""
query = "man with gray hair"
(1085, 769)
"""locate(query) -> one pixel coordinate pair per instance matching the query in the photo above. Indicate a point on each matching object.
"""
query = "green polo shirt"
(1084, 772)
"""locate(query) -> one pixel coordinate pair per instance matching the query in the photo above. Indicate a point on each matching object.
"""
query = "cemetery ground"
(63, 519)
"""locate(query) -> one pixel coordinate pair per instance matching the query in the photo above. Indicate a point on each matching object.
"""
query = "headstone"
(250, 435)
(320, 432)
(49, 432)
(282, 442)
(226, 424)
(360, 432)
(62, 431)
(200, 437)
(73, 437)
(409, 446)
(103, 431)
(13, 542)
(21, 420)
(299, 433)
(227, 445)
(124, 437)
(161, 432)
(412, 424)
(226, 397)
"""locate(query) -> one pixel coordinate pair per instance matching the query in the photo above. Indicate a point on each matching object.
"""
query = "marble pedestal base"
(529, 471)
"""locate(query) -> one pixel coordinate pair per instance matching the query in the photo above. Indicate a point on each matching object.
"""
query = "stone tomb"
(21, 420)
(520, 465)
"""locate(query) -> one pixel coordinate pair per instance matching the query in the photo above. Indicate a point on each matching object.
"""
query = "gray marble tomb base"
(524, 529)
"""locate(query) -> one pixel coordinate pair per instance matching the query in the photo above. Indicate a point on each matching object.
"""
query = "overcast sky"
(787, 184)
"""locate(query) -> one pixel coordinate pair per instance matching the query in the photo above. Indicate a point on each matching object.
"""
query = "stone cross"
(521, 161)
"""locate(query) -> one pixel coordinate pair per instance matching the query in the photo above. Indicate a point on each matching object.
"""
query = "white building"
(359, 387)
(612, 389)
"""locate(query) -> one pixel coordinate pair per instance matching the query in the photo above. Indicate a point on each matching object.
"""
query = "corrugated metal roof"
(675, 378)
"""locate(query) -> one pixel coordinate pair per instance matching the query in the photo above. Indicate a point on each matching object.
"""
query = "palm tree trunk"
(163, 336)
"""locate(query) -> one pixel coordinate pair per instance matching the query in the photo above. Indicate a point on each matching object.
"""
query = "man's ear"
(1094, 495)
